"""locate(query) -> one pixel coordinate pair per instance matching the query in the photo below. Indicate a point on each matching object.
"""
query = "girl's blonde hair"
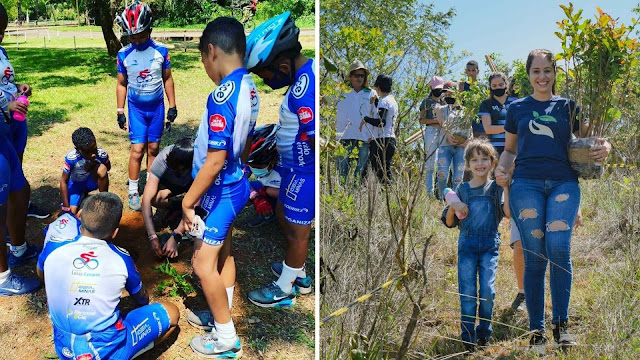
(482, 147)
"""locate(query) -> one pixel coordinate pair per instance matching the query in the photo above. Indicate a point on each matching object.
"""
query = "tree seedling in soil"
(178, 285)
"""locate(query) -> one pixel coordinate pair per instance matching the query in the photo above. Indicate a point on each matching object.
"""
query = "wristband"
(120, 109)
(64, 208)
(153, 237)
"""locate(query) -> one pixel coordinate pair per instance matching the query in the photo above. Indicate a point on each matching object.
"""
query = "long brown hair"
(548, 55)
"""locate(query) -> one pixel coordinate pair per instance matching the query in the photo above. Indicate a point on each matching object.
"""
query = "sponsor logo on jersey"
(86, 260)
(217, 122)
(62, 223)
(3, 186)
(305, 114)
(81, 301)
(220, 143)
(254, 97)
(83, 288)
(223, 92)
(66, 166)
(139, 332)
(300, 87)
(86, 356)
(79, 315)
(66, 352)
(7, 76)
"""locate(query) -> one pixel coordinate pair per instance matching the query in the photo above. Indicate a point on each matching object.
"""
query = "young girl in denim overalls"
(481, 208)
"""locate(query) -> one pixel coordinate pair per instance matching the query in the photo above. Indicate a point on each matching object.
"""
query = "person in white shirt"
(355, 105)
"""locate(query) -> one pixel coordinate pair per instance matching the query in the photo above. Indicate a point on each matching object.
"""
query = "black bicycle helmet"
(135, 18)
(263, 148)
(272, 38)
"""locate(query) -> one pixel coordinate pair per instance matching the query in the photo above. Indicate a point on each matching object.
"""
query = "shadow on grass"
(42, 117)
(31, 62)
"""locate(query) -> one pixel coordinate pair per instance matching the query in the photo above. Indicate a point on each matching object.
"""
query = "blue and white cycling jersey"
(65, 228)
(8, 88)
(7, 84)
(144, 72)
(74, 164)
(84, 279)
(297, 122)
(230, 116)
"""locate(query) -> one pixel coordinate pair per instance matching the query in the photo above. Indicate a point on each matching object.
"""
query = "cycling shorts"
(221, 205)
(297, 195)
(146, 122)
(12, 176)
(77, 190)
(122, 340)
(19, 135)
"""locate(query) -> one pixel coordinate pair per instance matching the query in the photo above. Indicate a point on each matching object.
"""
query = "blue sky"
(513, 28)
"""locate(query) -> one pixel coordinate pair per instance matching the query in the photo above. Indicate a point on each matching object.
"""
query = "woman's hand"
(451, 139)
(170, 248)
(502, 176)
(461, 207)
(601, 151)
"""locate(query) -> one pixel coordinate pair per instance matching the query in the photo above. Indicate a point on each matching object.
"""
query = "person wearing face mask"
(433, 136)
(169, 176)
(144, 75)
(262, 161)
(273, 53)
(450, 152)
(493, 111)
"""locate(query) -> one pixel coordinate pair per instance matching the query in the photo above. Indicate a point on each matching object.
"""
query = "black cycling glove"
(172, 114)
(121, 121)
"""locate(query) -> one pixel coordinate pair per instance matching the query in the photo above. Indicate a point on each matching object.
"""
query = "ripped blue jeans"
(545, 211)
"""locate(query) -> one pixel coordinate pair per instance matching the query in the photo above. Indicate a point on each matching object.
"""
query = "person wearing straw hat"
(355, 105)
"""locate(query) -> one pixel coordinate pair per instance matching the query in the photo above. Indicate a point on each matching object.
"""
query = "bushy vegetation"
(372, 233)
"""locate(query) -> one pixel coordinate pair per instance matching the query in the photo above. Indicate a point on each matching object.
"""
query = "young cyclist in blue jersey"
(85, 169)
(143, 68)
(65, 227)
(220, 185)
(84, 279)
(13, 136)
(273, 53)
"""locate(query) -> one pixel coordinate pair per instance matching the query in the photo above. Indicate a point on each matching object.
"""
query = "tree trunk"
(104, 15)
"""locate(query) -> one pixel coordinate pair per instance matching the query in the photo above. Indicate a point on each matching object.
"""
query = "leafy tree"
(403, 39)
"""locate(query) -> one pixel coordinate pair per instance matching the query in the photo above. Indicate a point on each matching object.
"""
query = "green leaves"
(598, 55)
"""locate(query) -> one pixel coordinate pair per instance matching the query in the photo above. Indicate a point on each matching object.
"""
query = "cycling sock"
(302, 273)
(230, 295)
(18, 250)
(226, 332)
(4, 276)
(133, 186)
(286, 279)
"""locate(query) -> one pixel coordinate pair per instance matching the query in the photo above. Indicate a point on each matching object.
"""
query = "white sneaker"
(209, 345)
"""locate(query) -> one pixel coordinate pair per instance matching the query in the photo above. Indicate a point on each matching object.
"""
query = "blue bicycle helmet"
(270, 39)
